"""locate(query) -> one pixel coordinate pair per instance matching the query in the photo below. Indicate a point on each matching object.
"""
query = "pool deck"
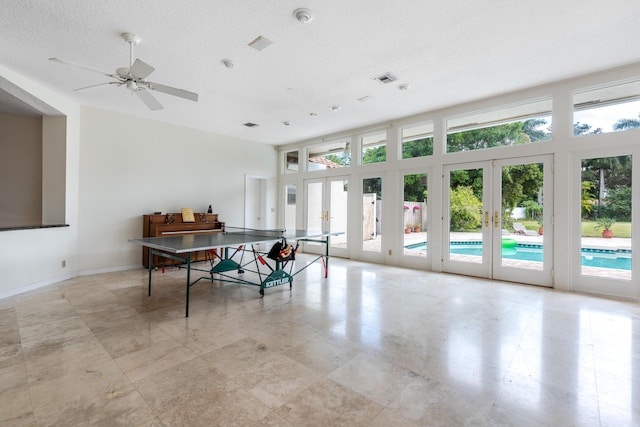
(587, 242)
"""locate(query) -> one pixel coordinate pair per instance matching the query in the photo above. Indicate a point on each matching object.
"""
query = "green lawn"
(620, 229)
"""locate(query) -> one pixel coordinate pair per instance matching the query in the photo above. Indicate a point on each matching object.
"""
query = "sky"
(605, 117)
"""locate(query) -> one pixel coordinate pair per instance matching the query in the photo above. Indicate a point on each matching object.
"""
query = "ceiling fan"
(133, 77)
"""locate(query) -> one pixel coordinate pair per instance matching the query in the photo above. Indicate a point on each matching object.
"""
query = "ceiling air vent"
(249, 124)
(385, 78)
(260, 43)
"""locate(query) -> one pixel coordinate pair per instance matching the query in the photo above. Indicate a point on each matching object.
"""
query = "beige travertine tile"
(389, 418)
(328, 403)
(48, 361)
(277, 380)
(153, 359)
(372, 377)
(203, 335)
(10, 347)
(237, 357)
(53, 332)
(15, 401)
(322, 354)
(421, 348)
(196, 394)
(126, 339)
(99, 396)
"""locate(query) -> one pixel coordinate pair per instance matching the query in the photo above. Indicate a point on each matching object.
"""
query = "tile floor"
(369, 346)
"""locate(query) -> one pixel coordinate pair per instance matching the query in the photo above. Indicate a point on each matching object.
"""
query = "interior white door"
(255, 208)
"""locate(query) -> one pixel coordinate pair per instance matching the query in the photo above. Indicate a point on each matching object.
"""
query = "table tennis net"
(255, 233)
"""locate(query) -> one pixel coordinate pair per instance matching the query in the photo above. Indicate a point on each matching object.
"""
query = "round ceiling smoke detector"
(303, 15)
(228, 63)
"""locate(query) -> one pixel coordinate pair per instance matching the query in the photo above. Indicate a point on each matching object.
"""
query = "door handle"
(486, 218)
(496, 218)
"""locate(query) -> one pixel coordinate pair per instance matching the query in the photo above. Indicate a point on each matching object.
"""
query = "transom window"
(607, 109)
(514, 125)
(417, 141)
(374, 148)
(329, 155)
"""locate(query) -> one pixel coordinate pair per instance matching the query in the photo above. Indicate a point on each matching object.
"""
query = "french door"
(325, 209)
(497, 220)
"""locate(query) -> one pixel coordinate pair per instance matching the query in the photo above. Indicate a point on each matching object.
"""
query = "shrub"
(465, 208)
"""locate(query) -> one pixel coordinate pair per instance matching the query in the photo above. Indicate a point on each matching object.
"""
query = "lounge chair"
(518, 228)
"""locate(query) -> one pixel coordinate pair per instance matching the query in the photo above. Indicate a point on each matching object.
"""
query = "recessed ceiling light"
(313, 114)
(303, 15)
(286, 123)
(250, 125)
(335, 108)
(260, 43)
(364, 98)
(404, 87)
(228, 63)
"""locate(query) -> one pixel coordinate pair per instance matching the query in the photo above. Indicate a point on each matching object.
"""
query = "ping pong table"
(234, 246)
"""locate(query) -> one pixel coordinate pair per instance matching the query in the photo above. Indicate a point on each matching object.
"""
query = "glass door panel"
(315, 205)
(522, 206)
(326, 203)
(467, 221)
(372, 215)
(414, 215)
(606, 219)
(339, 190)
(498, 218)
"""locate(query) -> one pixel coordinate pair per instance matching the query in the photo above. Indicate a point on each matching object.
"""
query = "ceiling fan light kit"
(133, 78)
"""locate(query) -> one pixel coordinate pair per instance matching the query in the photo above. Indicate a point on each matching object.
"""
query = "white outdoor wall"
(32, 258)
(131, 166)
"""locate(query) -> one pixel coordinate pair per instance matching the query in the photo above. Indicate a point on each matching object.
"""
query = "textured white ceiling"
(449, 51)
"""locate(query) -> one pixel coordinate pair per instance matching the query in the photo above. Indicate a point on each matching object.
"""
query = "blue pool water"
(618, 259)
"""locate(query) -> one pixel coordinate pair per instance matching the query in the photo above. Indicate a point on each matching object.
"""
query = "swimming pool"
(619, 259)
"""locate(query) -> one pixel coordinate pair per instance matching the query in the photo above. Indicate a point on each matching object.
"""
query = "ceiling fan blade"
(63, 61)
(99, 84)
(148, 99)
(173, 91)
(140, 69)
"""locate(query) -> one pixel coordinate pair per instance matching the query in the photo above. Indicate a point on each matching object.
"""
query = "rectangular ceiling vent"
(260, 43)
(385, 78)
(250, 125)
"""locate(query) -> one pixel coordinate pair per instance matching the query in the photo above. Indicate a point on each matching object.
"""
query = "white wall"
(118, 168)
(131, 166)
(32, 258)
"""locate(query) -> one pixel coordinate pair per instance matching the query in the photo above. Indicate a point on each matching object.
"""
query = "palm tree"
(624, 124)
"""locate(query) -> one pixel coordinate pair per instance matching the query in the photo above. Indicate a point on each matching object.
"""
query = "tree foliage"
(417, 148)
(465, 209)
(624, 124)
(415, 187)
(374, 155)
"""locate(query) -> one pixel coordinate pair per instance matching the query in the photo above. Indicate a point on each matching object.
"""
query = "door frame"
(325, 215)
(255, 188)
(491, 266)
